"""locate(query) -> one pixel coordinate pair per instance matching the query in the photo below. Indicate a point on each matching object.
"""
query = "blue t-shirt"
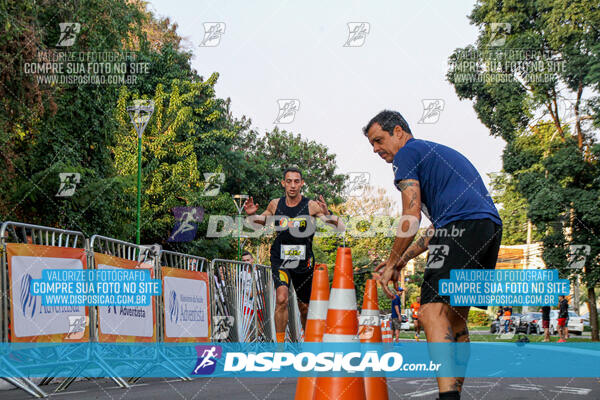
(395, 302)
(451, 187)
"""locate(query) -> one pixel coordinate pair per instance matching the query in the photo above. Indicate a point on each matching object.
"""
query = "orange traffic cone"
(376, 386)
(315, 325)
(341, 326)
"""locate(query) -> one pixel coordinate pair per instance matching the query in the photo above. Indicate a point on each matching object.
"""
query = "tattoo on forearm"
(413, 201)
(450, 335)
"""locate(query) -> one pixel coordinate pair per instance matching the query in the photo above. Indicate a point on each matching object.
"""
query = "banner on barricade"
(30, 320)
(125, 323)
(186, 305)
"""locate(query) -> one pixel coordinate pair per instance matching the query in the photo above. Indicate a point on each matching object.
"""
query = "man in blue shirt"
(466, 229)
(396, 316)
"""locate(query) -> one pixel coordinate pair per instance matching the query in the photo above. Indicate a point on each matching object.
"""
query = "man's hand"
(322, 206)
(389, 272)
(249, 207)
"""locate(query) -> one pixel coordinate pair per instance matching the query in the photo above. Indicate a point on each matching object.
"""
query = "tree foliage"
(537, 88)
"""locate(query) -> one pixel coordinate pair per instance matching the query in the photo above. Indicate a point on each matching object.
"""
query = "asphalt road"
(272, 388)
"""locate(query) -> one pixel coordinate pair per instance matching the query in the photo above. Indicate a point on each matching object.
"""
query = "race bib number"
(293, 252)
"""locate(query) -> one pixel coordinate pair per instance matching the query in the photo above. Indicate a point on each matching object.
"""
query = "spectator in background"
(507, 314)
(396, 315)
(546, 322)
(247, 257)
(563, 315)
(414, 307)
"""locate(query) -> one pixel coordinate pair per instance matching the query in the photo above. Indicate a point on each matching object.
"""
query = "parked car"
(586, 319)
(528, 323)
(495, 329)
(574, 325)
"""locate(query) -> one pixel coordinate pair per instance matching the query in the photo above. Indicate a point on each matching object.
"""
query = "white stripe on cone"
(328, 337)
(368, 320)
(370, 313)
(342, 299)
(317, 309)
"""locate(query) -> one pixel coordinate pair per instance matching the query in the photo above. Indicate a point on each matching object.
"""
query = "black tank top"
(295, 229)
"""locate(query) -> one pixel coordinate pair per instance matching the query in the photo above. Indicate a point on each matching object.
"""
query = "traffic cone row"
(315, 325)
(386, 328)
(375, 387)
(341, 325)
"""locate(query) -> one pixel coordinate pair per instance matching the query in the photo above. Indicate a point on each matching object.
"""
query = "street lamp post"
(140, 114)
(238, 201)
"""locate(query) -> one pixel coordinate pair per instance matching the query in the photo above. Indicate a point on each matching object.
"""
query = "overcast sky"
(295, 50)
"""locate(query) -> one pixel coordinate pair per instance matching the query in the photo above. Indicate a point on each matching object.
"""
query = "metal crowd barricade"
(294, 326)
(231, 287)
(264, 303)
(17, 232)
(185, 262)
(244, 294)
(127, 251)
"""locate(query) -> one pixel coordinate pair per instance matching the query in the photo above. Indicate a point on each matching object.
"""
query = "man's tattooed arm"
(418, 246)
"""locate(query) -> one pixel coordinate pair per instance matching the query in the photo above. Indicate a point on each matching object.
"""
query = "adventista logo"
(173, 307)
(28, 301)
(207, 356)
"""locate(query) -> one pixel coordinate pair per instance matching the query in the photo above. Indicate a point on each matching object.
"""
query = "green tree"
(552, 154)
(512, 207)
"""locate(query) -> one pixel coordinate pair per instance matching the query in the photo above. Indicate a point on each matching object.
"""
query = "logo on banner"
(207, 359)
(28, 301)
(77, 325)
(186, 225)
(173, 307)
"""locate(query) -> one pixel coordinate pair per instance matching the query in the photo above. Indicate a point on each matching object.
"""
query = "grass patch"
(497, 338)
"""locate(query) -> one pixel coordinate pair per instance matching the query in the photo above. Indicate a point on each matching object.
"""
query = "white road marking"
(421, 393)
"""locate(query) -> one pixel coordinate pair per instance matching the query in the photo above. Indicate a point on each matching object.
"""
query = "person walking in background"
(563, 314)
(396, 315)
(546, 322)
(414, 308)
(506, 315)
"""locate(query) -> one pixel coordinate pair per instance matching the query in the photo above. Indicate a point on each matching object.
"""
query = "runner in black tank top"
(292, 257)
(292, 248)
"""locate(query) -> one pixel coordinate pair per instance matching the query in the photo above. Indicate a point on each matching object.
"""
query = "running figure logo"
(357, 183)
(498, 33)
(68, 33)
(287, 110)
(187, 223)
(212, 34)
(357, 33)
(68, 183)
(437, 255)
(432, 109)
(207, 359)
(577, 255)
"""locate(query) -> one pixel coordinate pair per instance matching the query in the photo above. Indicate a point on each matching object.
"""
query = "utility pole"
(140, 114)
